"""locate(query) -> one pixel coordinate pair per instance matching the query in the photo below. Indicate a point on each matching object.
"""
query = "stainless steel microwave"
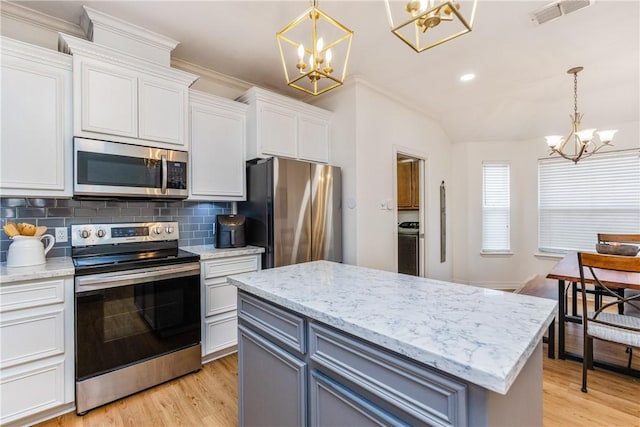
(113, 169)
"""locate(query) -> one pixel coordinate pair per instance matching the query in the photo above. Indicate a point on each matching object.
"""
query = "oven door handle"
(110, 280)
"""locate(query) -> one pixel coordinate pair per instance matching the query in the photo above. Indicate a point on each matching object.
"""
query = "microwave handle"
(164, 173)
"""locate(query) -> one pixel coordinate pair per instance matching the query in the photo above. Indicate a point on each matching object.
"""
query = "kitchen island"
(323, 343)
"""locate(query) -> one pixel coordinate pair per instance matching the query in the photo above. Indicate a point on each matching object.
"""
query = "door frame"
(423, 159)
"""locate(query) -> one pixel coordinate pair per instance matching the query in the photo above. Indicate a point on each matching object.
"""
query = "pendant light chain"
(575, 94)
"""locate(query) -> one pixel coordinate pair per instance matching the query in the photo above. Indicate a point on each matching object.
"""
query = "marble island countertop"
(477, 334)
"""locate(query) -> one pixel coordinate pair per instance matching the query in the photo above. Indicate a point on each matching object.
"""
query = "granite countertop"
(211, 252)
(54, 267)
(476, 334)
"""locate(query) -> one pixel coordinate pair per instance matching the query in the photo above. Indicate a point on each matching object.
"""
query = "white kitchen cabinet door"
(221, 332)
(109, 97)
(37, 376)
(313, 138)
(283, 127)
(163, 107)
(217, 154)
(277, 130)
(36, 144)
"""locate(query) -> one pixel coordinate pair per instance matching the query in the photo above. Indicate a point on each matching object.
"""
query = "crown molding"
(35, 53)
(196, 96)
(39, 19)
(210, 74)
(87, 49)
(93, 19)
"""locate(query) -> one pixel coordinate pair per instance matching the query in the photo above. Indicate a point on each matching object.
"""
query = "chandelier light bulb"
(329, 56)
(320, 45)
(301, 52)
(553, 140)
(585, 135)
(606, 136)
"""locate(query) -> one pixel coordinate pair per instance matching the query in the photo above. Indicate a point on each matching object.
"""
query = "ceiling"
(521, 90)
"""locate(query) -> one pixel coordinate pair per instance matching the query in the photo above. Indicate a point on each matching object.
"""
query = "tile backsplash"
(196, 219)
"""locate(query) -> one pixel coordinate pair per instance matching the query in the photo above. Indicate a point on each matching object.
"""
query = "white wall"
(376, 125)
(505, 271)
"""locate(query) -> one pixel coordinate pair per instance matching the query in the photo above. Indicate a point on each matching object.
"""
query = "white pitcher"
(28, 250)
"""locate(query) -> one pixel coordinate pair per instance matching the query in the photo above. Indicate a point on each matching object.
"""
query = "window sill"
(496, 253)
(549, 255)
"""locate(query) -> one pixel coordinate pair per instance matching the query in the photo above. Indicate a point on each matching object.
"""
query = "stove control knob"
(169, 230)
(157, 230)
(85, 234)
(101, 233)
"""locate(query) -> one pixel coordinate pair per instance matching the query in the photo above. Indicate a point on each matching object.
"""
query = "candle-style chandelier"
(423, 24)
(314, 49)
(579, 143)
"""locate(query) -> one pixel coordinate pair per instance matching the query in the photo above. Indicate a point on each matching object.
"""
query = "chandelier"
(424, 24)
(314, 49)
(579, 143)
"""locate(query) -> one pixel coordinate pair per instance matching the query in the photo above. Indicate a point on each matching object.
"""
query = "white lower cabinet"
(37, 352)
(220, 319)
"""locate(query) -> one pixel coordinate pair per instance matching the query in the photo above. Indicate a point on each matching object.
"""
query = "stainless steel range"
(137, 309)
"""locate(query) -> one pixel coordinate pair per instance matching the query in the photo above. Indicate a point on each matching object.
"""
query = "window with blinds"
(599, 194)
(496, 236)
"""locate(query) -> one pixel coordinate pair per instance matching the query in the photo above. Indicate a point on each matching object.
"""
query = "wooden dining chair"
(604, 324)
(605, 238)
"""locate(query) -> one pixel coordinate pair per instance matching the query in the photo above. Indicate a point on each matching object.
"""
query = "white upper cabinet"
(313, 137)
(217, 155)
(109, 99)
(162, 111)
(36, 144)
(283, 127)
(124, 98)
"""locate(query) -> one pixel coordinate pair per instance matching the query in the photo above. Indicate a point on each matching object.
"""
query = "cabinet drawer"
(228, 266)
(31, 335)
(332, 404)
(221, 332)
(418, 391)
(285, 328)
(37, 388)
(220, 296)
(14, 297)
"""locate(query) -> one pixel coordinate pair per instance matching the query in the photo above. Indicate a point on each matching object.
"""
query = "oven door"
(111, 169)
(130, 316)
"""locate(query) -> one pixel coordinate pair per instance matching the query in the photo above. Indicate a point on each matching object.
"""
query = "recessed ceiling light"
(467, 77)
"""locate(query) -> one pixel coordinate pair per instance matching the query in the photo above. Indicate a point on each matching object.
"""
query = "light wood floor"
(209, 398)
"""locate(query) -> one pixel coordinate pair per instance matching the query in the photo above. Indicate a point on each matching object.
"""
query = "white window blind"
(599, 194)
(495, 207)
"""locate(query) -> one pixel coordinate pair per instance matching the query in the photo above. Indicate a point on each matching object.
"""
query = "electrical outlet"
(61, 235)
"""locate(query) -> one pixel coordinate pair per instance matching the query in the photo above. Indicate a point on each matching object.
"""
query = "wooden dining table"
(567, 271)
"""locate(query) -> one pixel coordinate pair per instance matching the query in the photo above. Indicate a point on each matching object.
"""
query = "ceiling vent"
(557, 9)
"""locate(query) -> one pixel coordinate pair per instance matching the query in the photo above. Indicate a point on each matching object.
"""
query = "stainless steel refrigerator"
(293, 210)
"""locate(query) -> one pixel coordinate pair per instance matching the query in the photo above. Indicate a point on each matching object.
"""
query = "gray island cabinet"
(328, 344)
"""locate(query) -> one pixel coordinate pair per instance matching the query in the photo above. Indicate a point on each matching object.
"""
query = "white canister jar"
(26, 251)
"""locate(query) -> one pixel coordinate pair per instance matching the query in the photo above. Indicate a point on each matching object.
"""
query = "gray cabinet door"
(272, 383)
